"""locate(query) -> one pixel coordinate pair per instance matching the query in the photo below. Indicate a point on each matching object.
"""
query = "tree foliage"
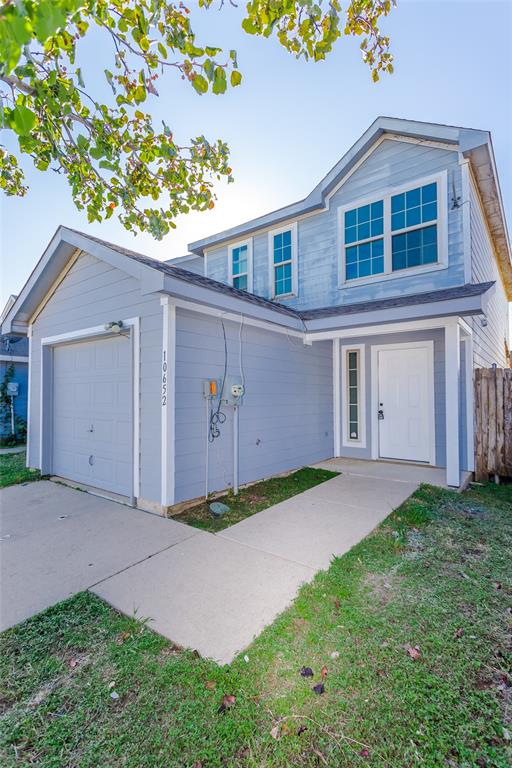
(114, 157)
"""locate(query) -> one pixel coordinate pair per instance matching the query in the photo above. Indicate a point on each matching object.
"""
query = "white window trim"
(249, 273)
(345, 439)
(442, 232)
(271, 272)
(375, 349)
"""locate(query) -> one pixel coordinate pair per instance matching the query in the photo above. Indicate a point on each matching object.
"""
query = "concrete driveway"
(211, 592)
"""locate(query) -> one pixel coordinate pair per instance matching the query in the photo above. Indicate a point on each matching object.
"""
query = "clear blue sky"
(291, 121)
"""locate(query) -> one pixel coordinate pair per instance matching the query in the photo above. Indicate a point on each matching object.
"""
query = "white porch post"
(452, 376)
(168, 401)
(336, 409)
(470, 402)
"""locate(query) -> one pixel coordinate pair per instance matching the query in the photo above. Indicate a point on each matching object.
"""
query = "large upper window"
(240, 265)
(416, 244)
(282, 246)
(402, 230)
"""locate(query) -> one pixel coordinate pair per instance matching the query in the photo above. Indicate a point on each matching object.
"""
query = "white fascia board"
(62, 246)
(229, 304)
(471, 305)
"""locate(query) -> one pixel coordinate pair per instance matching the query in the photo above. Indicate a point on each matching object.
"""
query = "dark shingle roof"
(444, 294)
(194, 278)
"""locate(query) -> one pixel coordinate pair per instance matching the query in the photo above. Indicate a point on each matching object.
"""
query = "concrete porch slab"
(207, 593)
(392, 470)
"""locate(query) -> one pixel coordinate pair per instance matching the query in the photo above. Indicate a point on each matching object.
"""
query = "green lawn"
(13, 470)
(255, 498)
(419, 613)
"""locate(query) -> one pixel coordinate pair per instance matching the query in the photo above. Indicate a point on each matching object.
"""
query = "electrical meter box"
(13, 388)
(233, 390)
(211, 389)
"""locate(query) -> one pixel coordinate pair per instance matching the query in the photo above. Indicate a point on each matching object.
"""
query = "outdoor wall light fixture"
(116, 326)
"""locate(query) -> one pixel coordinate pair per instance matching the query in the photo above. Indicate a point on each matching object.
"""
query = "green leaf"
(22, 120)
(200, 84)
(236, 78)
(49, 18)
(219, 83)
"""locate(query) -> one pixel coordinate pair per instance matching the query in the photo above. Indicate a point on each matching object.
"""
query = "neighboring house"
(352, 320)
(14, 352)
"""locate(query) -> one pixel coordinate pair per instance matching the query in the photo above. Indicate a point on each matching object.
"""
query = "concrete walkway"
(211, 592)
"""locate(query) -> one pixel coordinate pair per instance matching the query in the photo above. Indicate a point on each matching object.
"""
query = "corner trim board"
(168, 399)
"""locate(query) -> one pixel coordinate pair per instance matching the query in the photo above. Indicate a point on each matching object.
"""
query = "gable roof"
(466, 299)
(476, 145)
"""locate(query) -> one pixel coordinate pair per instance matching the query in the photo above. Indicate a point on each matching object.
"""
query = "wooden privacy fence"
(493, 423)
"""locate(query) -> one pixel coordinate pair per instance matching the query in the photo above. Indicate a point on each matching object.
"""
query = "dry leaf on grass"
(228, 701)
(414, 652)
(210, 685)
(323, 672)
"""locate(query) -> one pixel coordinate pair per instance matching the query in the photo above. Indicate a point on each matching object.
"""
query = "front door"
(405, 385)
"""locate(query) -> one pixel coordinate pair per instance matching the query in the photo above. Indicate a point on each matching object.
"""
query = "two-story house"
(346, 324)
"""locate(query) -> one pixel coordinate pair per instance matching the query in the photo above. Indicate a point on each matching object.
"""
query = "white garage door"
(92, 413)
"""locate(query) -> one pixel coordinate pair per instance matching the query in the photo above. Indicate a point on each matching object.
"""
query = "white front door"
(405, 413)
(92, 413)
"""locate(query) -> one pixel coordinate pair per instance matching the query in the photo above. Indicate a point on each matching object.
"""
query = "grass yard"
(255, 498)
(413, 627)
(13, 469)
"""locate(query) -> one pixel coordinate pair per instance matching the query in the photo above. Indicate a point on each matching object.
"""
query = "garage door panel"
(104, 393)
(93, 390)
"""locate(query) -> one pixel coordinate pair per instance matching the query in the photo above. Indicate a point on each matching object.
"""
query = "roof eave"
(461, 307)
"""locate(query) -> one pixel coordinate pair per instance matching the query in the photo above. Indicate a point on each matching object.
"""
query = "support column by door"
(452, 377)
(336, 406)
(168, 401)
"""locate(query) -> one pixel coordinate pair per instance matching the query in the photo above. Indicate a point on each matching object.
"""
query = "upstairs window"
(283, 269)
(404, 229)
(414, 244)
(364, 229)
(240, 265)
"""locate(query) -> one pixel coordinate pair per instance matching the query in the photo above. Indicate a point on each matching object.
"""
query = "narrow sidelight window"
(353, 394)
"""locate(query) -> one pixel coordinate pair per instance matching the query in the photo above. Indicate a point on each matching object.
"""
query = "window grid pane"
(239, 260)
(240, 282)
(416, 206)
(364, 260)
(283, 263)
(414, 248)
(364, 223)
(353, 394)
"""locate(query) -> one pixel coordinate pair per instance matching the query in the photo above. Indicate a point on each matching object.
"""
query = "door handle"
(380, 414)
(91, 428)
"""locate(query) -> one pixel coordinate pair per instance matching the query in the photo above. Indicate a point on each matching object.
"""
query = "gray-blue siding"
(489, 338)
(392, 164)
(21, 399)
(92, 294)
(285, 421)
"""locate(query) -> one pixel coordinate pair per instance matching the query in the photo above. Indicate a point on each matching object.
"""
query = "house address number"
(164, 379)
